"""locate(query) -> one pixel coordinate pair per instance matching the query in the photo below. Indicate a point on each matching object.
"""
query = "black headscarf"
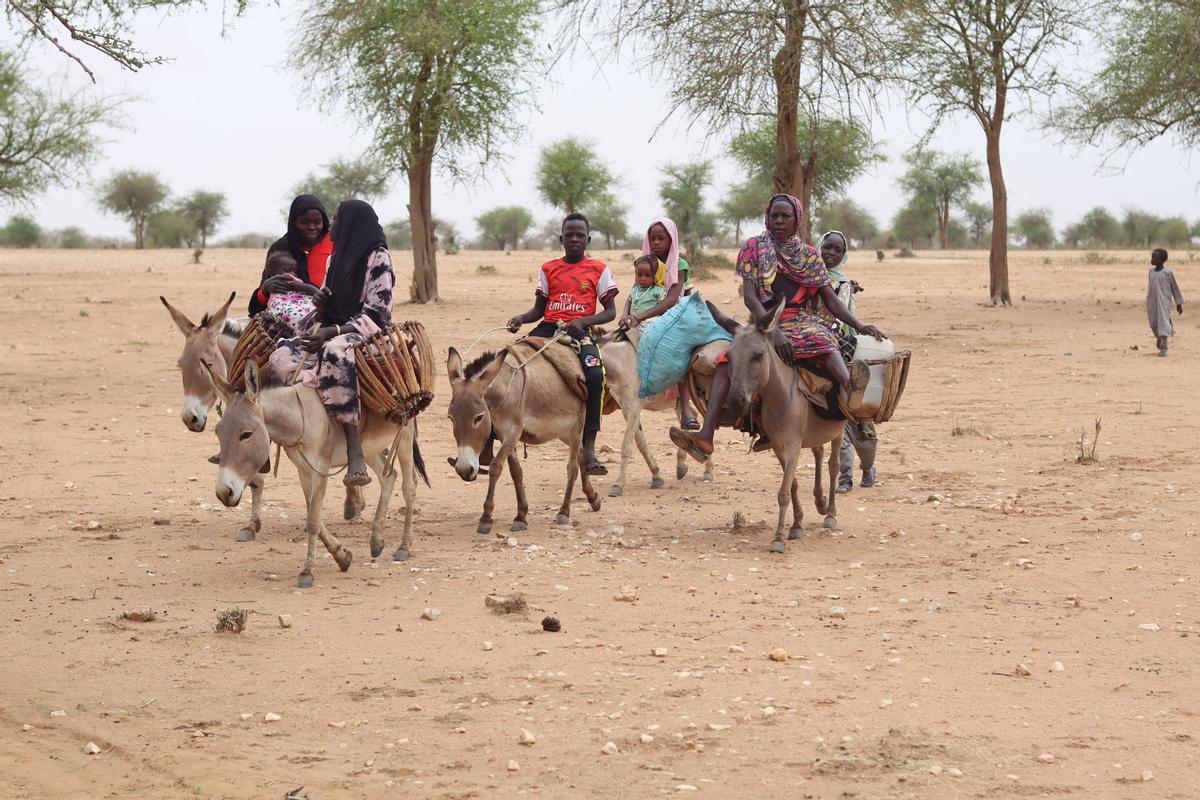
(293, 242)
(356, 235)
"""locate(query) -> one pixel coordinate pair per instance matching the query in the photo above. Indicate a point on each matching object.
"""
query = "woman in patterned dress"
(355, 302)
(777, 266)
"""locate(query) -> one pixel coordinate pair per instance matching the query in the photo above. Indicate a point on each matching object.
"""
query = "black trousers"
(593, 372)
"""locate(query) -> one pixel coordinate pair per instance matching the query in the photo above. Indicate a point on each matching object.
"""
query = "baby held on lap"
(295, 306)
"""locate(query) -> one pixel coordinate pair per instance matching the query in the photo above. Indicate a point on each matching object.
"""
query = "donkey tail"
(418, 461)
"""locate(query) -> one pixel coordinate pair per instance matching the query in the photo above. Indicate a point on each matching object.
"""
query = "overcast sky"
(226, 115)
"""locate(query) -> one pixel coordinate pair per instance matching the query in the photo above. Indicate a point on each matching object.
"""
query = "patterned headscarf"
(761, 258)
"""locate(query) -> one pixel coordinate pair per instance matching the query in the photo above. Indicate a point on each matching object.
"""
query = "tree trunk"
(998, 257)
(203, 238)
(785, 68)
(808, 180)
(943, 221)
(139, 230)
(420, 215)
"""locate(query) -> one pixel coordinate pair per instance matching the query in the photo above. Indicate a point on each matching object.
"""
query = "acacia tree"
(850, 218)
(730, 61)
(135, 196)
(832, 152)
(1098, 227)
(983, 58)
(1035, 228)
(606, 216)
(1149, 81)
(505, 225)
(682, 193)
(439, 81)
(346, 179)
(944, 181)
(570, 175)
(205, 211)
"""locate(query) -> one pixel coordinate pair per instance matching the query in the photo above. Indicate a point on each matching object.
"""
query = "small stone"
(659, 652)
(244, 717)
(487, 646)
(271, 716)
(93, 525)
(1023, 671)
(936, 769)
(526, 738)
(736, 648)
(58, 713)
(414, 707)
(646, 738)
(1057, 666)
(628, 595)
(140, 615)
(92, 749)
(1147, 776)
(198, 734)
(769, 711)
(511, 541)
(1046, 758)
(430, 613)
(954, 772)
(26, 727)
(551, 625)
(885, 702)
(778, 654)
(1136, 536)
(692, 590)
(836, 612)
(338, 724)
(685, 787)
(609, 749)
(1149, 626)
(713, 726)
(162, 520)
(285, 620)
(512, 766)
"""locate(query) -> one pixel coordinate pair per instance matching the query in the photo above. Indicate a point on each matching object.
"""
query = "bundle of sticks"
(395, 371)
(256, 344)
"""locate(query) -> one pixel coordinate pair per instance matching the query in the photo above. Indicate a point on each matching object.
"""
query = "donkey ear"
(730, 325)
(454, 365)
(490, 372)
(767, 322)
(183, 323)
(217, 321)
(252, 387)
(224, 390)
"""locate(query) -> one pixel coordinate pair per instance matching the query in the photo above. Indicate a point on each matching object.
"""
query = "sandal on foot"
(691, 424)
(453, 462)
(843, 488)
(594, 469)
(868, 479)
(693, 447)
(761, 445)
(357, 478)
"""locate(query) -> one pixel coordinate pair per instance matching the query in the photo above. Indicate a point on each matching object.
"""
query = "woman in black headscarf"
(355, 302)
(308, 241)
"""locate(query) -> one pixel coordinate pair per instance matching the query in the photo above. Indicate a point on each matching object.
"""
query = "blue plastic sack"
(665, 349)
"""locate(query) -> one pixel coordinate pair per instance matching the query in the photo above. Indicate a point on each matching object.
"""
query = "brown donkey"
(787, 418)
(530, 404)
(295, 417)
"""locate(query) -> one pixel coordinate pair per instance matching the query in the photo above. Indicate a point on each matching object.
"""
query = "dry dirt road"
(997, 605)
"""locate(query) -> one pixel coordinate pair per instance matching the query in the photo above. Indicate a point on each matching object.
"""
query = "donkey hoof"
(595, 504)
(657, 483)
(777, 546)
(376, 549)
(708, 477)
(518, 525)
(244, 535)
(401, 554)
(484, 528)
(345, 565)
(681, 472)
(562, 519)
(615, 491)
(830, 523)
(795, 533)
(305, 581)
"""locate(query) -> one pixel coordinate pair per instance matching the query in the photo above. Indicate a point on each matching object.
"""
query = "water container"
(869, 349)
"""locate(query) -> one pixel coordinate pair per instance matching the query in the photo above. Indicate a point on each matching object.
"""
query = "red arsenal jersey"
(574, 290)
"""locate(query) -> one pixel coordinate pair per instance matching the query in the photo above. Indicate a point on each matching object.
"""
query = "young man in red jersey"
(568, 292)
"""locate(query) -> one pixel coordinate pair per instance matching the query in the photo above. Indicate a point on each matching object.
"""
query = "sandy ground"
(986, 551)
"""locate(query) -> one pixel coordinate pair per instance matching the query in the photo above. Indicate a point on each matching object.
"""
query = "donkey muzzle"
(229, 488)
(467, 464)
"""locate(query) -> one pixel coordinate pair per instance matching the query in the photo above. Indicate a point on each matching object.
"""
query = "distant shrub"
(904, 252)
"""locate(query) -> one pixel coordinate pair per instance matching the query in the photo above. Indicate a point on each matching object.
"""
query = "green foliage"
(505, 226)
(606, 217)
(916, 223)
(135, 196)
(47, 139)
(943, 181)
(1098, 228)
(745, 201)
(446, 234)
(171, 228)
(570, 175)
(22, 232)
(249, 240)
(399, 234)
(1034, 228)
(205, 211)
(1149, 81)
(71, 238)
(978, 222)
(682, 193)
(850, 218)
(345, 179)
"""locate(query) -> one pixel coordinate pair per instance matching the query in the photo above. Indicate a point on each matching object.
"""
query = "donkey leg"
(632, 414)
(312, 499)
(784, 495)
(340, 554)
(494, 473)
(708, 470)
(387, 480)
(589, 491)
(818, 491)
(835, 463)
(681, 464)
(797, 530)
(408, 476)
(564, 511)
(518, 475)
(656, 481)
(354, 504)
(247, 533)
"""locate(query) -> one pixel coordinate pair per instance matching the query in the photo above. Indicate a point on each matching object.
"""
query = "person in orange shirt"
(307, 239)
(568, 290)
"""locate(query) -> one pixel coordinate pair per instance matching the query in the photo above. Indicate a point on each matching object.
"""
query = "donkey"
(529, 404)
(211, 343)
(787, 418)
(295, 417)
(621, 377)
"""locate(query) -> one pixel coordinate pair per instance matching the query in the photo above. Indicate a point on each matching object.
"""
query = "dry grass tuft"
(232, 620)
(1087, 455)
(516, 604)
